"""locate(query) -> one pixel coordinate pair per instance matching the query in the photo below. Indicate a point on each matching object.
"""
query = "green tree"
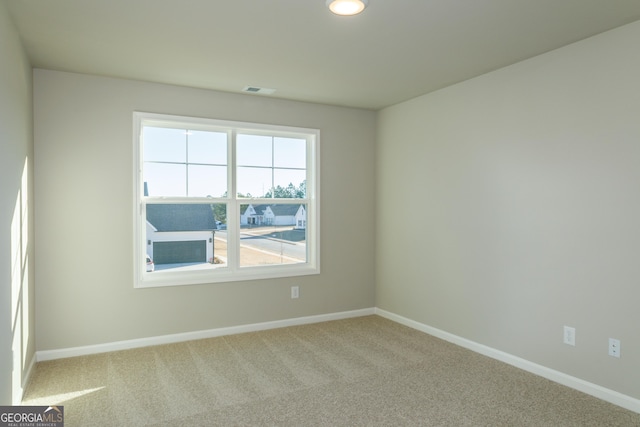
(290, 192)
(219, 212)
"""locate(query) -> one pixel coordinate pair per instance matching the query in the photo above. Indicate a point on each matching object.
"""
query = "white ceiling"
(395, 50)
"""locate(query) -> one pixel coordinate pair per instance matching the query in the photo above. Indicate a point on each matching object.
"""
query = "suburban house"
(478, 179)
(295, 215)
(180, 233)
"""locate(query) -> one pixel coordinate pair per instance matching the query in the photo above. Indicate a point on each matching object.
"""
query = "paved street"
(261, 246)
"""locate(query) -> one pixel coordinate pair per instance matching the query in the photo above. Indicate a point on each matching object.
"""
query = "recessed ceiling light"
(347, 7)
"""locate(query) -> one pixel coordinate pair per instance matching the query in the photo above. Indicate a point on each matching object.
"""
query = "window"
(222, 201)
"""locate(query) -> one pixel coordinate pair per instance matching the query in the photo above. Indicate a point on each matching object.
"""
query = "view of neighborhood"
(188, 236)
(181, 168)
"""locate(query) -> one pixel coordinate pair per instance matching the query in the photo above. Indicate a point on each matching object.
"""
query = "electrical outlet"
(295, 292)
(614, 347)
(569, 335)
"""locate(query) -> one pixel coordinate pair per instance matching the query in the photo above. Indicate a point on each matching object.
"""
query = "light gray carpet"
(366, 371)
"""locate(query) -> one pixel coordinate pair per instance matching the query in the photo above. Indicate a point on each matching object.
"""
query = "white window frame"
(232, 271)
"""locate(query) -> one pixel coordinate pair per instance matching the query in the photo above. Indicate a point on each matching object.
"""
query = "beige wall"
(84, 184)
(17, 341)
(509, 206)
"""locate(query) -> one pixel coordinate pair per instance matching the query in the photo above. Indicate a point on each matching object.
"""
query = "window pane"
(273, 234)
(164, 145)
(289, 153)
(187, 170)
(207, 147)
(205, 181)
(164, 179)
(253, 182)
(253, 150)
(186, 236)
(290, 183)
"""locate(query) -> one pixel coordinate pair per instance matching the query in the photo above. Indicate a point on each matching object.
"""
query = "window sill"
(221, 275)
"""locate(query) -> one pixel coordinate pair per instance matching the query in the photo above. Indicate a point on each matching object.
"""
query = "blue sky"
(262, 160)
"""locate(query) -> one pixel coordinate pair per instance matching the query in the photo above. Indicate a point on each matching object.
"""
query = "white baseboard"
(17, 398)
(595, 390)
(188, 336)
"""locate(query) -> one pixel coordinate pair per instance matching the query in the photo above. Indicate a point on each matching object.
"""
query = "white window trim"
(232, 272)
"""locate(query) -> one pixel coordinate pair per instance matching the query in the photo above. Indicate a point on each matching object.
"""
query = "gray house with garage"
(180, 233)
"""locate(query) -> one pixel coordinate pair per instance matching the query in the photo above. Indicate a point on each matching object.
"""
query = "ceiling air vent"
(260, 90)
